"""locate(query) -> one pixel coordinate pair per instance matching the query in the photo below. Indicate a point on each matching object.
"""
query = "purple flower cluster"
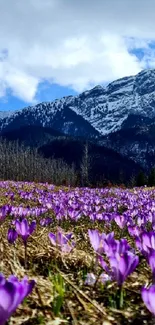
(121, 259)
(22, 229)
(131, 212)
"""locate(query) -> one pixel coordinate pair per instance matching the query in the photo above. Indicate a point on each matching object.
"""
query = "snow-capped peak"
(105, 108)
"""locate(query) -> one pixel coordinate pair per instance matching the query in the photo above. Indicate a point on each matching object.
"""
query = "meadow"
(76, 255)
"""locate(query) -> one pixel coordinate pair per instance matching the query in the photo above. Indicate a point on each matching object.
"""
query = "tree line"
(146, 179)
(21, 163)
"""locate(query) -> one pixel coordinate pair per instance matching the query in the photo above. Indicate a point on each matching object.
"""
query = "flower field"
(76, 255)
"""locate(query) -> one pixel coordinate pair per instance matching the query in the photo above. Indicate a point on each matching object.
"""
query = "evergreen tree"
(151, 178)
(141, 179)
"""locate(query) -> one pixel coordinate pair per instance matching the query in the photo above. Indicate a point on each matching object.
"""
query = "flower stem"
(25, 262)
(121, 297)
(14, 252)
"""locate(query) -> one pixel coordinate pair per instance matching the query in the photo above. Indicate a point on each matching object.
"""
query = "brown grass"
(82, 304)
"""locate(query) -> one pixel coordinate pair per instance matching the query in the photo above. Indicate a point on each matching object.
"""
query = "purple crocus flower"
(151, 261)
(24, 229)
(108, 238)
(96, 240)
(4, 210)
(12, 293)
(104, 265)
(74, 214)
(45, 222)
(116, 247)
(121, 220)
(60, 240)
(148, 296)
(104, 278)
(146, 242)
(121, 266)
(12, 236)
(148, 239)
(134, 230)
(90, 279)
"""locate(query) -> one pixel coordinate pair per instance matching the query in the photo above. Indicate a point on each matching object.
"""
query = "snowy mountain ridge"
(104, 108)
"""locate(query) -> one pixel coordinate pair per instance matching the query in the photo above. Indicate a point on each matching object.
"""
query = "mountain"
(120, 116)
(50, 115)
(105, 163)
(103, 108)
(32, 136)
(136, 140)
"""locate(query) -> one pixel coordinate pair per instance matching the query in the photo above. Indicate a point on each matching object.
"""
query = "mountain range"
(119, 117)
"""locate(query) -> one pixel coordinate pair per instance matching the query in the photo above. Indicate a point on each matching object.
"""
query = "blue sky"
(45, 92)
(55, 48)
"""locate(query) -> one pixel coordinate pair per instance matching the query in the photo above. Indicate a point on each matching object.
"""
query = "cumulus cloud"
(76, 43)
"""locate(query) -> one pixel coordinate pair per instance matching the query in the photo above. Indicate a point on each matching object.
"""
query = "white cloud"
(22, 85)
(76, 43)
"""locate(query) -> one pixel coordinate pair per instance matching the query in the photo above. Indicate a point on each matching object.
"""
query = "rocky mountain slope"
(105, 109)
(135, 140)
(121, 116)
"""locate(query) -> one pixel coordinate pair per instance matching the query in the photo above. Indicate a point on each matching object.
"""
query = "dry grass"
(81, 304)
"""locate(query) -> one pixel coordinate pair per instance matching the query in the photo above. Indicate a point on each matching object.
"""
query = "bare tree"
(85, 166)
(21, 163)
